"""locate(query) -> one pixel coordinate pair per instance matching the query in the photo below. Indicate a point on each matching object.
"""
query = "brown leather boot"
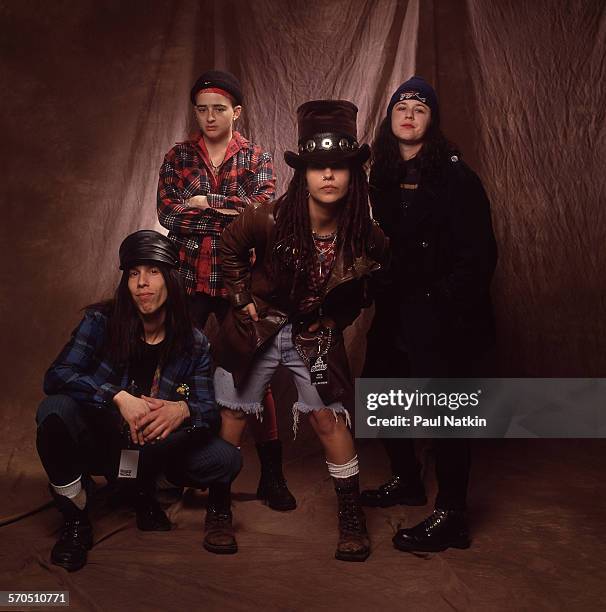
(354, 543)
(219, 537)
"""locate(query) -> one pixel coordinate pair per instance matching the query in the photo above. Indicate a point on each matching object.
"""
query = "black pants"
(202, 305)
(385, 359)
(74, 439)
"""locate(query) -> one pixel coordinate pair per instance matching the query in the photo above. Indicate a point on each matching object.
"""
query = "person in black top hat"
(136, 365)
(205, 182)
(316, 247)
(433, 310)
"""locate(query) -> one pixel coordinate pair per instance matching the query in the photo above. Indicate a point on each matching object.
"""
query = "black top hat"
(147, 246)
(327, 134)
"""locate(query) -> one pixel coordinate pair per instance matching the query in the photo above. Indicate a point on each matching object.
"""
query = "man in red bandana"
(205, 182)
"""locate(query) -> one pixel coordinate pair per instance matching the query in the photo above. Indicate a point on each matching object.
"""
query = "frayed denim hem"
(300, 407)
(255, 408)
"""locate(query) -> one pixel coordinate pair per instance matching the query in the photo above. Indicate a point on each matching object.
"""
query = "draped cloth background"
(94, 94)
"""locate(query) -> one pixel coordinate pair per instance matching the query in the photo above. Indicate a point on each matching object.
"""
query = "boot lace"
(72, 530)
(393, 483)
(433, 520)
(351, 519)
(216, 520)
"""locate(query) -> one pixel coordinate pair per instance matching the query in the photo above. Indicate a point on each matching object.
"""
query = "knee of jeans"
(324, 421)
(235, 464)
(224, 464)
(231, 461)
(62, 406)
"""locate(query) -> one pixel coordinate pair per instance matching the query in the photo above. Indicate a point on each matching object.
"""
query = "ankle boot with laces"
(396, 490)
(441, 530)
(75, 537)
(353, 543)
(219, 536)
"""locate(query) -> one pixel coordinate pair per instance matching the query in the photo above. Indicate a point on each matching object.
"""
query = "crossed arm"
(185, 212)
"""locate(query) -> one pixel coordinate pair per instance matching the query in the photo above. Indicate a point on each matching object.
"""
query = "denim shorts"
(280, 351)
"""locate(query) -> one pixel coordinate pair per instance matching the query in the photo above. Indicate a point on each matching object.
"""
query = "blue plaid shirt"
(84, 374)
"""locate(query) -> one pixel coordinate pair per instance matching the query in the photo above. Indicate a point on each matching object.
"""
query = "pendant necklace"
(322, 253)
(214, 168)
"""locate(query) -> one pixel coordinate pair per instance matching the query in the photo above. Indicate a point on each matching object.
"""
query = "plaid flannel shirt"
(246, 176)
(84, 374)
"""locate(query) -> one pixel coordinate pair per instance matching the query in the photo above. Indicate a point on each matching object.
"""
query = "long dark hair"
(387, 164)
(125, 328)
(294, 246)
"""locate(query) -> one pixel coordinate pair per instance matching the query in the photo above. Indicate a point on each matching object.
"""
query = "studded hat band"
(328, 142)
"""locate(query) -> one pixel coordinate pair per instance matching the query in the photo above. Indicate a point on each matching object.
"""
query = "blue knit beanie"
(416, 88)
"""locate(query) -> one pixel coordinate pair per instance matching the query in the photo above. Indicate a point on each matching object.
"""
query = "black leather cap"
(147, 246)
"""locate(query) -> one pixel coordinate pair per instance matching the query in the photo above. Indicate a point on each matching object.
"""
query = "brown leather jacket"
(240, 337)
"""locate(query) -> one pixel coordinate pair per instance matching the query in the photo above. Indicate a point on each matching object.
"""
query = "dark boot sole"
(284, 508)
(261, 496)
(146, 525)
(221, 550)
(408, 501)
(69, 566)
(154, 527)
(355, 557)
(405, 547)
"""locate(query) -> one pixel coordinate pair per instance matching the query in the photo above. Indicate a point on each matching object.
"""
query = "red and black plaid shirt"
(246, 176)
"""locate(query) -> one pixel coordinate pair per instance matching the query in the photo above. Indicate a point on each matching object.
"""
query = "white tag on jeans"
(129, 461)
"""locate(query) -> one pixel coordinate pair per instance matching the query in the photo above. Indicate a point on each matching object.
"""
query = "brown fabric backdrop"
(94, 94)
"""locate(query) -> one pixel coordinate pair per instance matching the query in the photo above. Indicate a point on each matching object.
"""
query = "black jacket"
(443, 259)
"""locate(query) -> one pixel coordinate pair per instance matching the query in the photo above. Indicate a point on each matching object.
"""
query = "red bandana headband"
(219, 91)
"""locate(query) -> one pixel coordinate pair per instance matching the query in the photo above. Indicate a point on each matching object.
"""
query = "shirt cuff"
(106, 393)
(216, 200)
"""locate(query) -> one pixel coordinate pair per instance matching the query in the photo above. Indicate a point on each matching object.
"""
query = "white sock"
(73, 491)
(345, 470)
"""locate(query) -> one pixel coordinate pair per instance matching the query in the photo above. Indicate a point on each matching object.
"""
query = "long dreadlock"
(295, 250)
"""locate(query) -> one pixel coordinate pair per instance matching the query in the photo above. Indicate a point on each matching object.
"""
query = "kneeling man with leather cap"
(131, 394)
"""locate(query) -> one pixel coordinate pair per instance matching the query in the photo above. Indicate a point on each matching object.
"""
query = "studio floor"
(537, 511)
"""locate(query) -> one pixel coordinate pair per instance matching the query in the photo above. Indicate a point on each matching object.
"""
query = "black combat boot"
(353, 543)
(219, 537)
(150, 516)
(76, 536)
(441, 530)
(395, 491)
(272, 487)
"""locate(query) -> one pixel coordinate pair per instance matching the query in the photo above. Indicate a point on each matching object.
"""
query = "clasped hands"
(149, 418)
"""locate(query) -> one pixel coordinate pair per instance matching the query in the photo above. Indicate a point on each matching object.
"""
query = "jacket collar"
(236, 144)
